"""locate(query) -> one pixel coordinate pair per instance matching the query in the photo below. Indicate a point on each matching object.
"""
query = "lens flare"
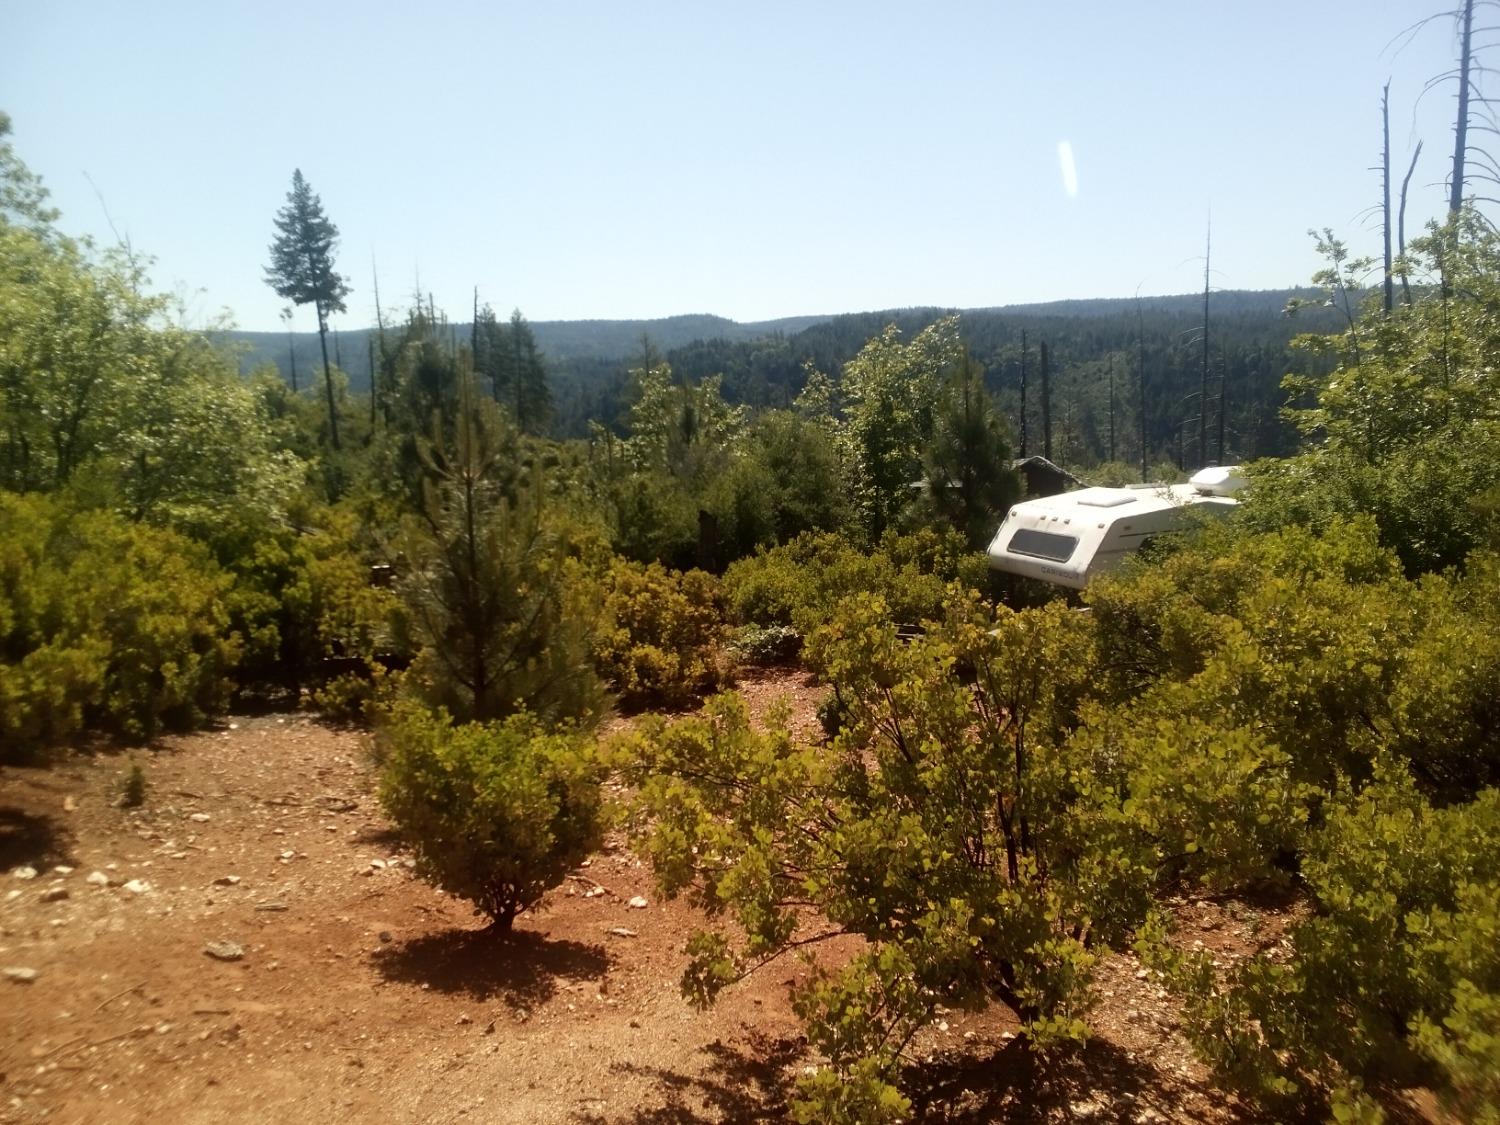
(1069, 168)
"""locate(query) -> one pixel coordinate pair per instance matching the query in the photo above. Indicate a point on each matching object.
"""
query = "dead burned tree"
(1401, 223)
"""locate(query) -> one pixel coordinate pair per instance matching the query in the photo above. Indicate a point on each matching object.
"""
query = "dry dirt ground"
(362, 994)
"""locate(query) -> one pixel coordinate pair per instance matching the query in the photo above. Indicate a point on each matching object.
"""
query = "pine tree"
(969, 478)
(301, 270)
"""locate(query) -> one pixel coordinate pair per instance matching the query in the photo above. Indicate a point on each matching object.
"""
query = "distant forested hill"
(763, 363)
(558, 339)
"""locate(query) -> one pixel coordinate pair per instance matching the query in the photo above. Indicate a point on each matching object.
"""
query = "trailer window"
(1042, 544)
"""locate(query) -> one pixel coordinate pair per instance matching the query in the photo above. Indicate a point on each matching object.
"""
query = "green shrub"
(133, 791)
(951, 824)
(662, 633)
(770, 644)
(301, 594)
(1397, 965)
(799, 584)
(104, 624)
(354, 699)
(496, 813)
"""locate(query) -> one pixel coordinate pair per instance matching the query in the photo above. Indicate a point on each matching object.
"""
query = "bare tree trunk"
(1111, 406)
(1401, 222)
(333, 418)
(1461, 125)
(1140, 343)
(380, 327)
(1385, 190)
(1046, 405)
(291, 353)
(1023, 392)
(1223, 404)
(1203, 375)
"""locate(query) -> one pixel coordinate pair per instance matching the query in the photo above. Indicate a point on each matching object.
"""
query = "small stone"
(54, 894)
(1142, 974)
(138, 887)
(224, 951)
(62, 869)
(942, 1025)
(593, 892)
(97, 879)
(227, 881)
(26, 872)
(378, 864)
(200, 817)
(638, 903)
(288, 854)
(385, 935)
(69, 804)
(464, 1019)
(622, 931)
(271, 907)
(21, 976)
(635, 1023)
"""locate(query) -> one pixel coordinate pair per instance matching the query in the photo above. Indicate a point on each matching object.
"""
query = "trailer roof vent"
(1108, 498)
(1221, 480)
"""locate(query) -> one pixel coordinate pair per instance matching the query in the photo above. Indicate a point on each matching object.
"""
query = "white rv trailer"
(1069, 538)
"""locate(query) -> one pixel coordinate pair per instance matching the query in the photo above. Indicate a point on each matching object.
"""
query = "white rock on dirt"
(97, 879)
(224, 951)
(138, 887)
(200, 818)
(638, 903)
(226, 881)
(54, 894)
(27, 872)
(20, 975)
(62, 869)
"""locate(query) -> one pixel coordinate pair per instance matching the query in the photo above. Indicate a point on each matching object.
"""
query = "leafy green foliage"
(1404, 428)
(104, 623)
(497, 813)
(1399, 959)
(302, 595)
(891, 391)
(799, 584)
(662, 635)
(946, 825)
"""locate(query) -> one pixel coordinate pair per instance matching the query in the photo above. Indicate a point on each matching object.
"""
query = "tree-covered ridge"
(764, 365)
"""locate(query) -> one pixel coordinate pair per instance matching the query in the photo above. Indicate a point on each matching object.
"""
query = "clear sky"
(612, 160)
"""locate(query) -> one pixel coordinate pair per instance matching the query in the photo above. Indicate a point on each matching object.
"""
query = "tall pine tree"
(301, 270)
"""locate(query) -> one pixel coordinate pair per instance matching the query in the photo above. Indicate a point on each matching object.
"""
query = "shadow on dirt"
(749, 1081)
(522, 969)
(1098, 1081)
(31, 839)
(754, 1082)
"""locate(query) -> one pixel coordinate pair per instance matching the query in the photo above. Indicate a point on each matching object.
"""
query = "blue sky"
(611, 160)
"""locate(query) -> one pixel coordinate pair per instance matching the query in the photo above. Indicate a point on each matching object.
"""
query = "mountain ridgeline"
(1097, 350)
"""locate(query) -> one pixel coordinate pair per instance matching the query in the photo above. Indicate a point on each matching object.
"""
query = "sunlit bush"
(662, 635)
(496, 813)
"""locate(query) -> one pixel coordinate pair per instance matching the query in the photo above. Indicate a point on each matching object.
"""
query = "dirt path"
(361, 994)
